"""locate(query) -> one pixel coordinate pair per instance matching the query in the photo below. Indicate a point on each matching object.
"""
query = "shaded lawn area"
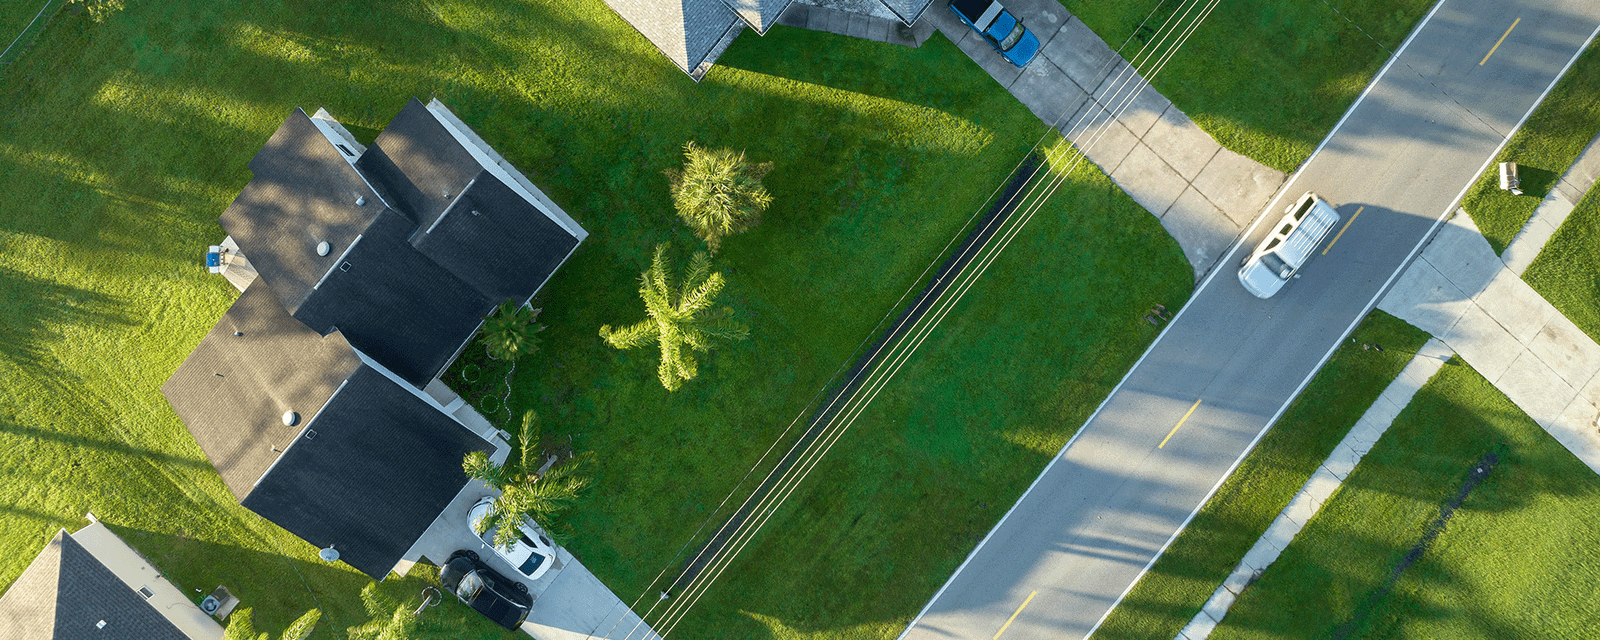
(1267, 79)
(127, 139)
(1515, 560)
(1545, 146)
(1175, 589)
(1567, 271)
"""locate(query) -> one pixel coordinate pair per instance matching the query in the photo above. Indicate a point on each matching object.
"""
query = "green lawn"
(127, 139)
(1543, 149)
(1515, 560)
(1567, 271)
(1267, 79)
(1230, 523)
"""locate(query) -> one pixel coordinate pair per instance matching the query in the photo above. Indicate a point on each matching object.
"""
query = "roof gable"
(497, 241)
(303, 193)
(418, 165)
(254, 365)
(66, 592)
(380, 467)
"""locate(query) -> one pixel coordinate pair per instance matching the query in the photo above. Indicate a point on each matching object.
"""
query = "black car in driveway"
(504, 601)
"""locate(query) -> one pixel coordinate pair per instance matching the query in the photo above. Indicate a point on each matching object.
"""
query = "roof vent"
(474, 212)
(290, 418)
(361, 201)
(100, 625)
(238, 333)
(329, 554)
(322, 248)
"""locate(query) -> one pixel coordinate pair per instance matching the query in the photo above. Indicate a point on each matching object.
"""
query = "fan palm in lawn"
(682, 317)
(718, 193)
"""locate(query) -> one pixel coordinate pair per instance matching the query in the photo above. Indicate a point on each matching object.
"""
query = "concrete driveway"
(570, 603)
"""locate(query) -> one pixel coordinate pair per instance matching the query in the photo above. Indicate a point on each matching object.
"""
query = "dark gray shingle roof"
(396, 305)
(417, 164)
(303, 193)
(382, 465)
(66, 591)
(497, 241)
(278, 365)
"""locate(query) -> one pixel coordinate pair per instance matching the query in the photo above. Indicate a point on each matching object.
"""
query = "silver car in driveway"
(532, 553)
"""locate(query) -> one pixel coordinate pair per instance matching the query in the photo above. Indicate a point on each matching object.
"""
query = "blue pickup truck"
(999, 28)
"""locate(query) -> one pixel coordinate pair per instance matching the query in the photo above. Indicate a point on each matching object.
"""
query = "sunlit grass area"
(1514, 560)
(1181, 581)
(1267, 79)
(1566, 273)
(1545, 146)
(124, 141)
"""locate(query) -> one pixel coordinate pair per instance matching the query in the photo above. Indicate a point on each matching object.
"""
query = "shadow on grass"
(107, 446)
(37, 310)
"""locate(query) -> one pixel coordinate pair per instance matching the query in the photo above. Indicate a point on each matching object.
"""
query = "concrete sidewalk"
(1320, 488)
(1554, 209)
(1203, 194)
(1460, 291)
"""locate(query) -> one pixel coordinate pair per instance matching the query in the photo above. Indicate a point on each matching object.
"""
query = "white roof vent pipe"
(361, 201)
(290, 418)
(322, 248)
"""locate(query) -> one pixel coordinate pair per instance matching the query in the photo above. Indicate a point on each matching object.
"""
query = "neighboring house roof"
(368, 465)
(694, 33)
(66, 592)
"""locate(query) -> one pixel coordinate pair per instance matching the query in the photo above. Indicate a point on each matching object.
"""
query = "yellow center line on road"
(1014, 615)
(1180, 423)
(1346, 227)
(1502, 39)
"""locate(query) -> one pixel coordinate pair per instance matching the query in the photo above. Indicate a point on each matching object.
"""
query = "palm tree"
(718, 193)
(509, 331)
(523, 492)
(680, 316)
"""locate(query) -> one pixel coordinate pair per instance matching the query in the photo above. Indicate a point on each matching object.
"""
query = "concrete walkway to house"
(1320, 488)
(1460, 291)
(855, 19)
(1203, 194)
(1554, 209)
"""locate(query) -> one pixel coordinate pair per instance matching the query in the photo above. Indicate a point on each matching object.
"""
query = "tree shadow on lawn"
(35, 314)
(281, 588)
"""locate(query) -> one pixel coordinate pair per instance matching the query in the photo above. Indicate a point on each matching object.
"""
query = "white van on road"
(1281, 254)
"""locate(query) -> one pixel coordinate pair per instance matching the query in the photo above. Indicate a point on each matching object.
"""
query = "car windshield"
(1276, 265)
(533, 563)
(471, 584)
(1012, 38)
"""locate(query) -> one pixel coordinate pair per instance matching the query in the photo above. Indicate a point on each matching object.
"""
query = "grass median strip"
(1543, 148)
(1513, 560)
(1181, 581)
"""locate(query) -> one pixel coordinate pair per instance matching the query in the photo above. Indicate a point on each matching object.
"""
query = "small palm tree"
(523, 492)
(718, 193)
(680, 316)
(509, 331)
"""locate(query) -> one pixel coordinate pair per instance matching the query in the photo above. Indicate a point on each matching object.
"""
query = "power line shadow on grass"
(962, 255)
(1479, 472)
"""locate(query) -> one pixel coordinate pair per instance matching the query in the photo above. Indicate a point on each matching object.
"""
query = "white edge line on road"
(1370, 304)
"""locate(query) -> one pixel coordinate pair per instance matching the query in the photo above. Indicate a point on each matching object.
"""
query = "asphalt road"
(1102, 511)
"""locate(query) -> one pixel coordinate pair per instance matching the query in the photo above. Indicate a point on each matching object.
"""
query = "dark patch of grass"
(1230, 523)
(1514, 561)
(1543, 148)
(1267, 79)
(127, 139)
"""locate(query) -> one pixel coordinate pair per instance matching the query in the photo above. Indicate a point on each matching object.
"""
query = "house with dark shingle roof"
(694, 33)
(363, 272)
(90, 585)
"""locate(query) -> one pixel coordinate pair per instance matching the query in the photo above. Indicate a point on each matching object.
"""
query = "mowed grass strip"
(1266, 79)
(130, 137)
(1545, 146)
(1181, 581)
(1515, 560)
(1567, 271)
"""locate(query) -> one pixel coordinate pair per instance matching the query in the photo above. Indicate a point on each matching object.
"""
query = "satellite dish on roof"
(290, 418)
(329, 554)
